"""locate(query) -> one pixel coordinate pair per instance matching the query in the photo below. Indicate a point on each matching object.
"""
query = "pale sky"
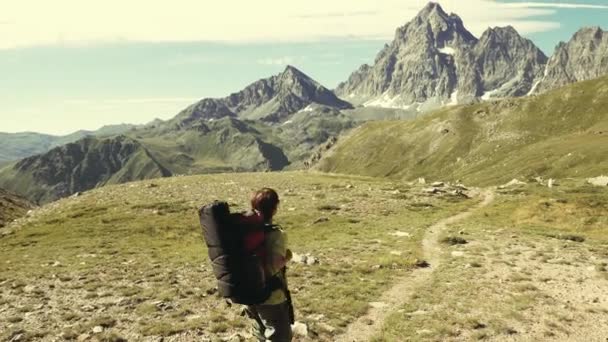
(73, 64)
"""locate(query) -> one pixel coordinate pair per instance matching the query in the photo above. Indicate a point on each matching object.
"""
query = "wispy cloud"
(78, 22)
(554, 5)
(150, 100)
(276, 61)
(337, 14)
(194, 59)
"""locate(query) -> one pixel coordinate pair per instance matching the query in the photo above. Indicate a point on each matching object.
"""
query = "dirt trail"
(367, 325)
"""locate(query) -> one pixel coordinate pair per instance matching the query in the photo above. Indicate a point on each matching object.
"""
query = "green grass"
(496, 287)
(563, 133)
(132, 255)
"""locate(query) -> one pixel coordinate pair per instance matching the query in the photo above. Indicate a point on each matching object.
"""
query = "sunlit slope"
(563, 133)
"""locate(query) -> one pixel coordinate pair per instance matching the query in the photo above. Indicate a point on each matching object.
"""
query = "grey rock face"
(507, 63)
(584, 57)
(434, 60)
(271, 100)
(420, 64)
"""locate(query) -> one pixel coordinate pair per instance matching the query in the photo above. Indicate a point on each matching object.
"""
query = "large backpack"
(238, 268)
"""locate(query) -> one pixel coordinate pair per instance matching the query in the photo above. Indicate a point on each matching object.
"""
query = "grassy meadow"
(130, 258)
(533, 268)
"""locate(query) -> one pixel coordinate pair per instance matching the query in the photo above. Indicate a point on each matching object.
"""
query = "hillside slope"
(12, 206)
(16, 146)
(80, 166)
(563, 133)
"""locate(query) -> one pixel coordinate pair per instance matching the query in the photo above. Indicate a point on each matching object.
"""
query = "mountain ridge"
(434, 61)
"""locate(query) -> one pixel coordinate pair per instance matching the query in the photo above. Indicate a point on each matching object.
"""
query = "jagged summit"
(583, 57)
(434, 61)
(442, 28)
(271, 99)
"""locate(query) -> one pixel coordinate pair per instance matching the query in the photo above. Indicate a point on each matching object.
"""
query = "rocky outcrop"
(12, 206)
(270, 100)
(507, 64)
(434, 60)
(584, 57)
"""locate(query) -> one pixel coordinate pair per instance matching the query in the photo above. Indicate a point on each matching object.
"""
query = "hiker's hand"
(288, 255)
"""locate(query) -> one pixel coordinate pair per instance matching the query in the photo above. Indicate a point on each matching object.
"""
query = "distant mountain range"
(272, 124)
(289, 121)
(20, 145)
(434, 61)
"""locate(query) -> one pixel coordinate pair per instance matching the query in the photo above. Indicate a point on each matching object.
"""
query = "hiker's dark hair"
(265, 201)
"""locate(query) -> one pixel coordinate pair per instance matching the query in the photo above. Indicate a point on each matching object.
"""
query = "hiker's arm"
(278, 261)
(280, 254)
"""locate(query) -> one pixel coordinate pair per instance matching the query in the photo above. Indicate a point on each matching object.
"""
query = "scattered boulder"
(513, 182)
(320, 220)
(326, 327)
(401, 234)
(598, 181)
(421, 180)
(432, 190)
(299, 329)
(421, 263)
(454, 240)
(98, 329)
(305, 259)
(438, 184)
(378, 305)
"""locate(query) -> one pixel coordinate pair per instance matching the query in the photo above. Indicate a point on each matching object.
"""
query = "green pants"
(271, 322)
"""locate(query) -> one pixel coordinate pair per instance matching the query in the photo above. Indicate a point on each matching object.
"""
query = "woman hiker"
(272, 318)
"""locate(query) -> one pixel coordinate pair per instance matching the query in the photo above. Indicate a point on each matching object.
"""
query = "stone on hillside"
(97, 330)
(299, 329)
(378, 305)
(514, 182)
(432, 190)
(551, 182)
(457, 253)
(400, 234)
(598, 181)
(438, 184)
(305, 259)
(326, 327)
(83, 337)
(421, 263)
(320, 220)
(421, 180)
(88, 308)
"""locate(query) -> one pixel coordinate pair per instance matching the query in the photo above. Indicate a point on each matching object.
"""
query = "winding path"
(366, 326)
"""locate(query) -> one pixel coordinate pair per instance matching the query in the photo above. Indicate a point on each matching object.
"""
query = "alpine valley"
(289, 121)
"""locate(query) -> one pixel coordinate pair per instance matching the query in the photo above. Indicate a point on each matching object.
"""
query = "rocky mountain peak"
(443, 29)
(590, 32)
(270, 99)
(584, 57)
